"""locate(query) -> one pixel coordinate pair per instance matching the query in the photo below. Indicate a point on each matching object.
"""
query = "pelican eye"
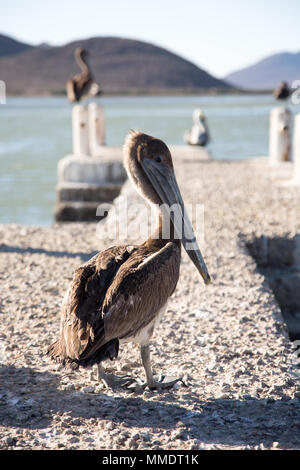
(158, 159)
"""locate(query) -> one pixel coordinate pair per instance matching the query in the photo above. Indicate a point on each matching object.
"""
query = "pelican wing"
(142, 287)
(114, 296)
(81, 318)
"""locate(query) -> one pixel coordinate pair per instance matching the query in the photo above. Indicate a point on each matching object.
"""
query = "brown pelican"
(82, 85)
(119, 294)
(199, 134)
(283, 92)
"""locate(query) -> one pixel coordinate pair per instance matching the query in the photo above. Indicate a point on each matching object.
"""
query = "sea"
(35, 133)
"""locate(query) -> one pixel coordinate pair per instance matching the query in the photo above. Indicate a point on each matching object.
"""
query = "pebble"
(110, 426)
(11, 441)
(89, 389)
(132, 443)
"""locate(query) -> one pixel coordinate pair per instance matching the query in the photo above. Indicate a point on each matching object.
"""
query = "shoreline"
(154, 93)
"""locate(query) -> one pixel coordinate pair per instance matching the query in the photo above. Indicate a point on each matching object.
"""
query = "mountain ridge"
(117, 64)
(11, 46)
(268, 72)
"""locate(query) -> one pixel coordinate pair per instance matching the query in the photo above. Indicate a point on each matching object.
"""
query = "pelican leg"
(111, 380)
(163, 382)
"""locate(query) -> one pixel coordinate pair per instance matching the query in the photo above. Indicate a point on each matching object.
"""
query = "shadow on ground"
(41, 251)
(278, 260)
(29, 399)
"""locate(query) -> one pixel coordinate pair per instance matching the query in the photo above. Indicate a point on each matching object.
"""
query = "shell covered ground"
(228, 341)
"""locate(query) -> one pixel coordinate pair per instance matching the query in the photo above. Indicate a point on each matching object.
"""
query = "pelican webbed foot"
(132, 384)
(166, 381)
(113, 381)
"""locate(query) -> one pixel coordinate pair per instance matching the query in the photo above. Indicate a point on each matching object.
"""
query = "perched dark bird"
(82, 85)
(120, 294)
(282, 92)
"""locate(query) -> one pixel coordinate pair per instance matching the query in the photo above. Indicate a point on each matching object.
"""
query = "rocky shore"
(229, 341)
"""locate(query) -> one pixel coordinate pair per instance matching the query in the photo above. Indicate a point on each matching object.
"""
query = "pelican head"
(81, 53)
(198, 115)
(149, 165)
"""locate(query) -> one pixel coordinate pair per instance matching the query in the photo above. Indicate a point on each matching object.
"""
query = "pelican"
(82, 85)
(283, 92)
(120, 294)
(199, 134)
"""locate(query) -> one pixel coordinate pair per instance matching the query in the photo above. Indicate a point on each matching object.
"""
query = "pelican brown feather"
(282, 92)
(82, 85)
(120, 293)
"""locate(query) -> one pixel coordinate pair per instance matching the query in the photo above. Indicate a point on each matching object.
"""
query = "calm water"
(36, 132)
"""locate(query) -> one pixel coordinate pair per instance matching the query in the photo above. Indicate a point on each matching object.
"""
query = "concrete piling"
(87, 177)
(80, 130)
(280, 136)
(96, 128)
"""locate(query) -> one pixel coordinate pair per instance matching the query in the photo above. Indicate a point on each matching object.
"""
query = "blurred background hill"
(10, 46)
(119, 65)
(268, 73)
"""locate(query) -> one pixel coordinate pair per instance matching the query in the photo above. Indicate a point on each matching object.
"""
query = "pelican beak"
(164, 182)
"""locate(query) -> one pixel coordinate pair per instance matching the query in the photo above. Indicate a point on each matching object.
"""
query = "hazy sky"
(218, 35)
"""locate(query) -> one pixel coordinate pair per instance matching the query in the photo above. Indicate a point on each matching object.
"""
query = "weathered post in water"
(96, 128)
(296, 149)
(280, 136)
(89, 176)
(80, 130)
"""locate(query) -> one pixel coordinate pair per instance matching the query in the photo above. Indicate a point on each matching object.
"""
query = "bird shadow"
(41, 251)
(29, 399)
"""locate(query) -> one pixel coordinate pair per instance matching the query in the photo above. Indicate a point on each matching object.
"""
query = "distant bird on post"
(199, 134)
(121, 293)
(282, 92)
(82, 85)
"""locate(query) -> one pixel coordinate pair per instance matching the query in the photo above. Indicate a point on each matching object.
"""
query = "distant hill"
(10, 46)
(268, 73)
(117, 64)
